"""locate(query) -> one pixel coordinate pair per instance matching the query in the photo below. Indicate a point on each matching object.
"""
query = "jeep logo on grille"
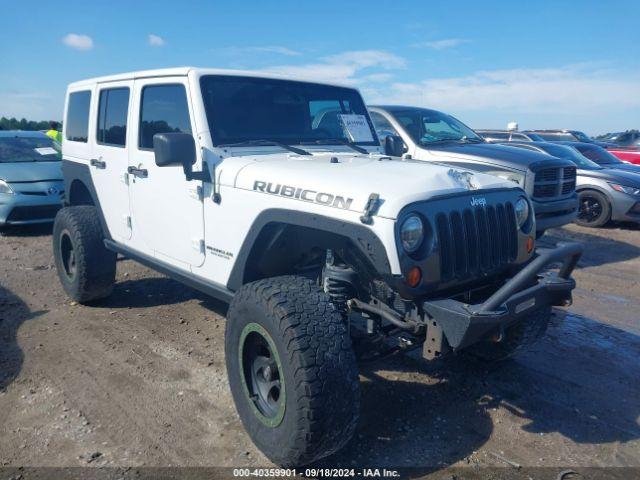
(478, 201)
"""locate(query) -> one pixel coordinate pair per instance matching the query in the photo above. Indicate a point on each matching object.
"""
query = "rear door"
(110, 159)
(167, 210)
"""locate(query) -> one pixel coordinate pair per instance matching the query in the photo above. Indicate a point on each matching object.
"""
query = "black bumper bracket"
(530, 289)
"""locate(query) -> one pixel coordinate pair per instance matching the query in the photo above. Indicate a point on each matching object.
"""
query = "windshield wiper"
(264, 143)
(339, 141)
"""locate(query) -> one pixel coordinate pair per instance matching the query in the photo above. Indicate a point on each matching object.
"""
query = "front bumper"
(22, 209)
(624, 207)
(463, 324)
(556, 213)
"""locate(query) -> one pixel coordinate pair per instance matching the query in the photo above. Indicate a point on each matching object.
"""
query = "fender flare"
(75, 171)
(366, 241)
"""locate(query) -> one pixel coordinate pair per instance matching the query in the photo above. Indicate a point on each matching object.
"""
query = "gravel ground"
(139, 379)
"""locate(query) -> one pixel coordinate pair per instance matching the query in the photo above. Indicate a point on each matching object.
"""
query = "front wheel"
(292, 370)
(595, 209)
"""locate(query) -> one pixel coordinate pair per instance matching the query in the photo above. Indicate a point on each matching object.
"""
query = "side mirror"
(174, 149)
(177, 148)
(394, 146)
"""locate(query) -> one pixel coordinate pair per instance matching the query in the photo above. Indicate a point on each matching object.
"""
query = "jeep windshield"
(244, 111)
(21, 149)
(430, 127)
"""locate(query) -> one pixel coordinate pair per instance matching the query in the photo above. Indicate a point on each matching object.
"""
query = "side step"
(212, 289)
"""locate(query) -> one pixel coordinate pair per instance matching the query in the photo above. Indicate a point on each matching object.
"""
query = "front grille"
(554, 182)
(41, 212)
(476, 240)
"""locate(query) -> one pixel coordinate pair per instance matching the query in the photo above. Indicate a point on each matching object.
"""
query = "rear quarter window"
(77, 121)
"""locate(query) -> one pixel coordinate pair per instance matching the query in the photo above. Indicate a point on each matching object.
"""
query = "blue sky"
(545, 64)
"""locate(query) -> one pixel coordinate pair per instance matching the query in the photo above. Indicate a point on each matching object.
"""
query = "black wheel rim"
(590, 209)
(261, 372)
(68, 255)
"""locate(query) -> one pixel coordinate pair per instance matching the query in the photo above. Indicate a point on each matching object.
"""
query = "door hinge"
(196, 192)
(125, 178)
(126, 220)
(198, 244)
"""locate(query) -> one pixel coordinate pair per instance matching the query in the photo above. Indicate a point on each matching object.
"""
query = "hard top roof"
(184, 71)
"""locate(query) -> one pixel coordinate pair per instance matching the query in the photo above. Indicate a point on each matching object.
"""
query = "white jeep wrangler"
(275, 196)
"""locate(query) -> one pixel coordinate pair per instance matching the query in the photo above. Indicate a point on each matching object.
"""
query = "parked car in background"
(31, 185)
(437, 137)
(493, 136)
(630, 138)
(602, 157)
(566, 136)
(604, 193)
(627, 146)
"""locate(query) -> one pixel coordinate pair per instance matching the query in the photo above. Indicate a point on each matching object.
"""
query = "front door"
(167, 212)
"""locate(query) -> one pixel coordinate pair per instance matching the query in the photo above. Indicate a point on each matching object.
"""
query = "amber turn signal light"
(529, 244)
(413, 277)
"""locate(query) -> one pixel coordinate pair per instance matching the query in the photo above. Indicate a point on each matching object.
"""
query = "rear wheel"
(292, 370)
(516, 338)
(595, 209)
(86, 269)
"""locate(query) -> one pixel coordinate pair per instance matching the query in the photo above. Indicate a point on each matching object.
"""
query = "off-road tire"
(516, 338)
(94, 267)
(319, 370)
(602, 200)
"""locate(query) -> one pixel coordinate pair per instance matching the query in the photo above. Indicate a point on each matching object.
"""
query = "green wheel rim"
(262, 375)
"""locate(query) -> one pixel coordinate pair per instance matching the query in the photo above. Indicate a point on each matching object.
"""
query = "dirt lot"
(139, 379)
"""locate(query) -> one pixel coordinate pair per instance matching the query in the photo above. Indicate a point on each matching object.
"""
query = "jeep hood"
(499, 155)
(354, 178)
(30, 171)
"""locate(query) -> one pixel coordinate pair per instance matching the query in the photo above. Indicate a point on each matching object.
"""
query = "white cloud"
(572, 88)
(441, 44)
(276, 49)
(78, 41)
(344, 67)
(156, 41)
(574, 96)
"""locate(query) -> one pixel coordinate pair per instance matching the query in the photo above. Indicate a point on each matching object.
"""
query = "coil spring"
(339, 292)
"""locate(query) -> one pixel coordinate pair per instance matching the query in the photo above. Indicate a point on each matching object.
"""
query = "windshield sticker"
(46, 151)
(356, 127)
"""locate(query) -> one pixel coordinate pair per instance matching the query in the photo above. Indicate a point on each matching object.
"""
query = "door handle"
(101, 164)
(138, 172)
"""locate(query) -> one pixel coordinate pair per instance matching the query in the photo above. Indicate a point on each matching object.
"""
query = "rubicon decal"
(298, 193)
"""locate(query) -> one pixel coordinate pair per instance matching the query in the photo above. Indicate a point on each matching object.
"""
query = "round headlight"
(522, 211)
(412, 233)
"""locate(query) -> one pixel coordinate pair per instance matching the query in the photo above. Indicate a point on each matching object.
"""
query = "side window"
(518, 137)
(382, 125)
(163, 109)
(112, 116)
(77, 121)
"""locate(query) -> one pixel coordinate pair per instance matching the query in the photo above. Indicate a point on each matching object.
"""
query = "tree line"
(23, 124)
